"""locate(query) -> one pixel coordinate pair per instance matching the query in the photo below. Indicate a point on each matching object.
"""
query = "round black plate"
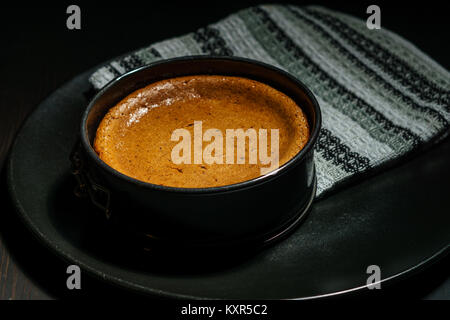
(398, 220)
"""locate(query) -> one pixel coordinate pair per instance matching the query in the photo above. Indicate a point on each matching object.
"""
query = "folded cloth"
(381, 98)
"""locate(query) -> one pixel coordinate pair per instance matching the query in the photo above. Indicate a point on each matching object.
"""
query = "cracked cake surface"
(134, 137)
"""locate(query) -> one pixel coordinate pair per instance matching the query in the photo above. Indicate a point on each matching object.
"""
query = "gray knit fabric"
(380, 96)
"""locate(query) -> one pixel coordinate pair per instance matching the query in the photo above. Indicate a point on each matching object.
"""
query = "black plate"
(398, 220)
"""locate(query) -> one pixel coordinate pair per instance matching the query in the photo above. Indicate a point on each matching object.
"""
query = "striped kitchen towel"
(381, 97)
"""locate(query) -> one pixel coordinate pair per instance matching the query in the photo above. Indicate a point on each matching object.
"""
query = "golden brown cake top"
(135, 136)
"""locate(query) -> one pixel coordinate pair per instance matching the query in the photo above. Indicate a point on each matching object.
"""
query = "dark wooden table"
(39, 54)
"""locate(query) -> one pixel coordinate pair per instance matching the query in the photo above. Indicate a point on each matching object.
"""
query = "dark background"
(38, 54)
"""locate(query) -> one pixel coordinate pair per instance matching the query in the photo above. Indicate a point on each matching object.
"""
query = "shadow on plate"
(84, 226)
